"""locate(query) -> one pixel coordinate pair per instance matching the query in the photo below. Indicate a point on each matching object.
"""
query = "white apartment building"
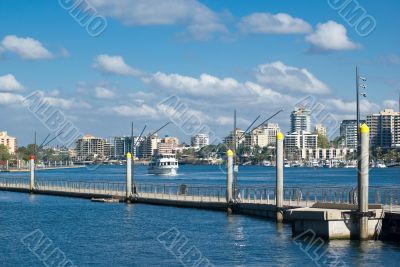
(326, 153)
(229, 140)
(256, 137)
(199, 141)
(301, 140)
(320, 129)
(300, 120)
(8, 141)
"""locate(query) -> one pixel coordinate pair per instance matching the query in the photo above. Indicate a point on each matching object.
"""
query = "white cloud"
(64, 52)
(54, 93)
(114, 65)
(228, 121)
(330, 36)
(343, 106)
(283, 77)
(26, 48)
(104, 93)
(65, 103)
(9, 83)
(201, 22)
(208, 86)
(390, 103)
(9, 99)
(391, 59)
(266, 23)
(143, 111)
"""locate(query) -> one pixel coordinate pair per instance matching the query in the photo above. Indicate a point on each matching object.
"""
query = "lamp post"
(362, 161)
(358, 86)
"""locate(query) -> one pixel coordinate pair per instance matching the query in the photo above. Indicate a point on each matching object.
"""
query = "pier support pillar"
(279, 178)
(229, 181)
(128, 176)
(363, 181)
(32, 169)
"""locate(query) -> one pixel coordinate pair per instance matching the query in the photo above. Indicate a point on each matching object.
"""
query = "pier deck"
(251, 200)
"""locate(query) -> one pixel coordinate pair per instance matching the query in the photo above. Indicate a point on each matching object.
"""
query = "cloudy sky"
(209, 57)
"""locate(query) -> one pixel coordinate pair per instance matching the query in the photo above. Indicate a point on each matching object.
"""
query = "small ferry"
(164, 164)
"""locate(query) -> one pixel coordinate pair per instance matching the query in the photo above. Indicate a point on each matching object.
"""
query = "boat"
(266, 164)
(350, 166)
(105, 200)
(164, 164)
(380, 165)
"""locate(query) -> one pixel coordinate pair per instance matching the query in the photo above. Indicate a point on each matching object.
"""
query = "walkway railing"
(304, 196)
(92, 187)
(296, 196)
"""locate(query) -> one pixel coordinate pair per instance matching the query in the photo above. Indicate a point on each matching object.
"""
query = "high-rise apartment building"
(348, 133)
(300, 120)
(89, 147)
(384, 128)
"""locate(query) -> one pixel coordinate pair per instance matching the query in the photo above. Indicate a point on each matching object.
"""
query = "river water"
(96, 234)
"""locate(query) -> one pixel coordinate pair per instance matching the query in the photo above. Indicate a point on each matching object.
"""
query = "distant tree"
(4, 154)
(392, 156)
(205, 152)
(351, 156)
(25, 152)
(336, 143)
(323, 141)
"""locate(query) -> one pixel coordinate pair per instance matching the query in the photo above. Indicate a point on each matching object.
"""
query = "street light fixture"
(363, 94)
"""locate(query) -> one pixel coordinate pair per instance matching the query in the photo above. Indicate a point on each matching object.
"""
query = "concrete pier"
(128, 175)
(229, 181)
(331, 218)
(334, 221)
(279, 178)
(363, 181)
(32, 172)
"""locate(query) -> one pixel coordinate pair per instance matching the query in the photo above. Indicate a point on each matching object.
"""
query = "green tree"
(4, 154)
(323, 141)
(337, 142)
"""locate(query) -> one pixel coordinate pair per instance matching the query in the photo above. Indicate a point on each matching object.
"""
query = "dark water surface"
(97, 234)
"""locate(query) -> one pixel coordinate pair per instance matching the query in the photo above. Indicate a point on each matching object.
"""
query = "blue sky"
(213, 56)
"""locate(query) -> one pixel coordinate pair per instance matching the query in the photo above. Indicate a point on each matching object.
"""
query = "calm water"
(128, 235)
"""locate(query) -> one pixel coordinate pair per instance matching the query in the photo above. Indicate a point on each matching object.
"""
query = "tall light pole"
(358, 86)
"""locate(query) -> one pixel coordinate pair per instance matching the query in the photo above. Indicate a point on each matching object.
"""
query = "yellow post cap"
(279, 136)
(129, 155)
(364, 128)
(229, 153)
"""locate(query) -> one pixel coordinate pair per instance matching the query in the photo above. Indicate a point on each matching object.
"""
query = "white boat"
(266, 164)
(350, 166)
(164, 164)
(380, 165)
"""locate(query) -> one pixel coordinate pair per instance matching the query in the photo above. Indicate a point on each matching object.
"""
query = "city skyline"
(267, 55)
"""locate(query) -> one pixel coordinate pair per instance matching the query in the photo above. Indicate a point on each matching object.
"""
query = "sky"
(192, 63)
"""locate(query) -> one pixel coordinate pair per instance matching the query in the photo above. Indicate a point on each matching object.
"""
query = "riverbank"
(43, 169)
